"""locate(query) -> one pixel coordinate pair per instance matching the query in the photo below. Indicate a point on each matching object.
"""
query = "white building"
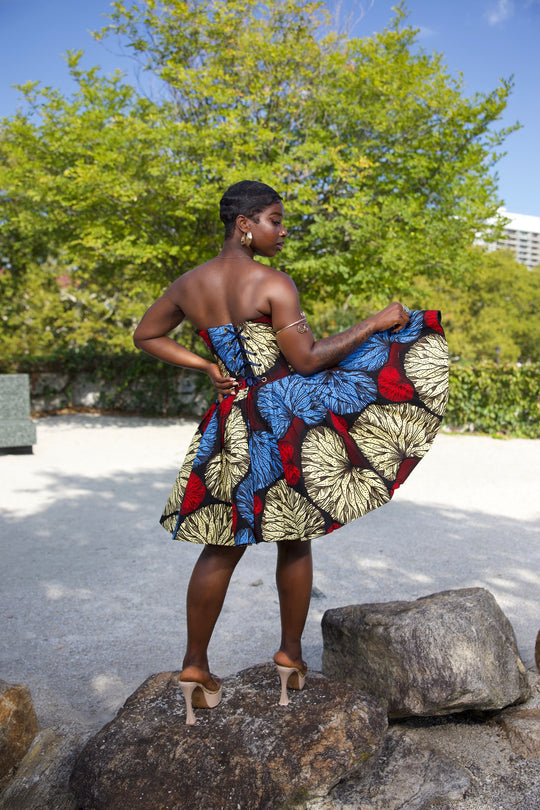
(522, 237)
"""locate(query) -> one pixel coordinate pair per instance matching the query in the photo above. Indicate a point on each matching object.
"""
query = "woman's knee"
(226, 556)
(293, 549)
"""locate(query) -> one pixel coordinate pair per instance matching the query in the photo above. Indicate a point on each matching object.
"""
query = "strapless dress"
(290, 457)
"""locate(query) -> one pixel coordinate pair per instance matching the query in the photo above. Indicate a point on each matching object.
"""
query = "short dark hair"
(249, 197)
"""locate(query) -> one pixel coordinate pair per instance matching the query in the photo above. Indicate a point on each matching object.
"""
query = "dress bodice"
(248, 351)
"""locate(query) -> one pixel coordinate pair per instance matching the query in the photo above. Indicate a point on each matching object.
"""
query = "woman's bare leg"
(294, 577)
(205, 596)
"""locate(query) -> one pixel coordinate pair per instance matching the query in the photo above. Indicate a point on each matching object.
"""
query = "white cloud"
(424, 32)
(501, 12)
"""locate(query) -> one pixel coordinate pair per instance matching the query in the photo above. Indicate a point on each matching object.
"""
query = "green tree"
(492, 315)
(384, 163)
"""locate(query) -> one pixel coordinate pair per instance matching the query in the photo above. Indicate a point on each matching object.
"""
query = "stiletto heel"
(195, 694)
(294, 677)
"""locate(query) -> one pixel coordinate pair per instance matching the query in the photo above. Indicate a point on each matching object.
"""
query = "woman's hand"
(395, 317)
(223, 385)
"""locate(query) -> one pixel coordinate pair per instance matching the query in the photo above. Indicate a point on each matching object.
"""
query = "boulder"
(18, 727)
(42, 777)
(249, 752)
(537, 651)
(448, 652)
(523, 729)
(407, 774)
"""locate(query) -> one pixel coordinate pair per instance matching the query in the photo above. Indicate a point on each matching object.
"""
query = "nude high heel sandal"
(294, 677)
(195, 694)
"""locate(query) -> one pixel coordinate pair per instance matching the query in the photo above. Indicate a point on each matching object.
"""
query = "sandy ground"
(93, 588)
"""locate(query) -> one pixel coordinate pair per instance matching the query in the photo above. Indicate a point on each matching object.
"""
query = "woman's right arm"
(307, 355)
(151, 335)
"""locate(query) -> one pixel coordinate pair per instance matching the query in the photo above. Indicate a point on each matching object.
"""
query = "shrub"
(501, 400)
(495, 399)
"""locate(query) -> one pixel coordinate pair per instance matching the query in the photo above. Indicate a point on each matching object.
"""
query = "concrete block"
(16, 427)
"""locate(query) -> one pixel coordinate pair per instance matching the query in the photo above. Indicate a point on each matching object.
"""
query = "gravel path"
(93, 588)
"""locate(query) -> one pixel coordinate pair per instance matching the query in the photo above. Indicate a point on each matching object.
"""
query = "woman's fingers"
(404, 316)
(224, 385)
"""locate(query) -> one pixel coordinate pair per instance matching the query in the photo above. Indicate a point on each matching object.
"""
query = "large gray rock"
(460, 761)
(408, 774)
(18, 727)
(523, 729)
(249, 752)
(41, 780)
(448, 652)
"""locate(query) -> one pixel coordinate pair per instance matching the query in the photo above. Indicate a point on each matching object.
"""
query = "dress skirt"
(289, 457)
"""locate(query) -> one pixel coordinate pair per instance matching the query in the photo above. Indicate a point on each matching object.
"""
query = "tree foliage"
(384, 163)
(489, 316)
(492, 314)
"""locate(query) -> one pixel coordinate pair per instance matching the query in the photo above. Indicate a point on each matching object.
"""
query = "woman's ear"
(242, 223)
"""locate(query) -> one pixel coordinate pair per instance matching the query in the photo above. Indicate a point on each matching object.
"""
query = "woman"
(305, 435)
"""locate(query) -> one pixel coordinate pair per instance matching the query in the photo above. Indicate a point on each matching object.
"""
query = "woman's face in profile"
(268, 230)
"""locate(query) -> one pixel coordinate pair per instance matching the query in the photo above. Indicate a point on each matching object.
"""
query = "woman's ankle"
(285, 659)
(200, 675)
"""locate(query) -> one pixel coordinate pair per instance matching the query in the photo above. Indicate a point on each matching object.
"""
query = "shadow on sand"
(93, 589)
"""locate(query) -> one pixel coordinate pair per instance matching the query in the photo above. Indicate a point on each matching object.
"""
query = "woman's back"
(223, 291)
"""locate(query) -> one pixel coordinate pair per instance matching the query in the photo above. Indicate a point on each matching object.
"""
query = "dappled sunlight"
(528, 576)
(55, 591)
(104, 683)
(517, 605)
(86, 558)
(481, 476)
(499, 581)
(110, 691)
(316, 614)
(124, 504)
(364, 563)
(420, 578)
(368, 574)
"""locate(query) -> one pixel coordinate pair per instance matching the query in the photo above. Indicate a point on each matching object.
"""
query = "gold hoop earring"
(246, 239)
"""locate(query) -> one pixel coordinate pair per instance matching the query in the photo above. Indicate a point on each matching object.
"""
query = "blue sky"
(483, 39)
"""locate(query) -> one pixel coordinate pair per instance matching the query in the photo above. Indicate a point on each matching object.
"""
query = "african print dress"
(290, 457)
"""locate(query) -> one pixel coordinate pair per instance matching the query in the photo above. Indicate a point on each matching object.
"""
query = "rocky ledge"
(249, 752)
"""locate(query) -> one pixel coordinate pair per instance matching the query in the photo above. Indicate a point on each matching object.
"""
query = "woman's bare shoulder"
(187, 280)
(277, 279)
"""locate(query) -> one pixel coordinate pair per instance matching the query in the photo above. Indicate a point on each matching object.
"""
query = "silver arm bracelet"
(301, 329)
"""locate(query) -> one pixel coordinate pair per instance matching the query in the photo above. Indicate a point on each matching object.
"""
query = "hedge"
(124, 382)
(501, 400)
